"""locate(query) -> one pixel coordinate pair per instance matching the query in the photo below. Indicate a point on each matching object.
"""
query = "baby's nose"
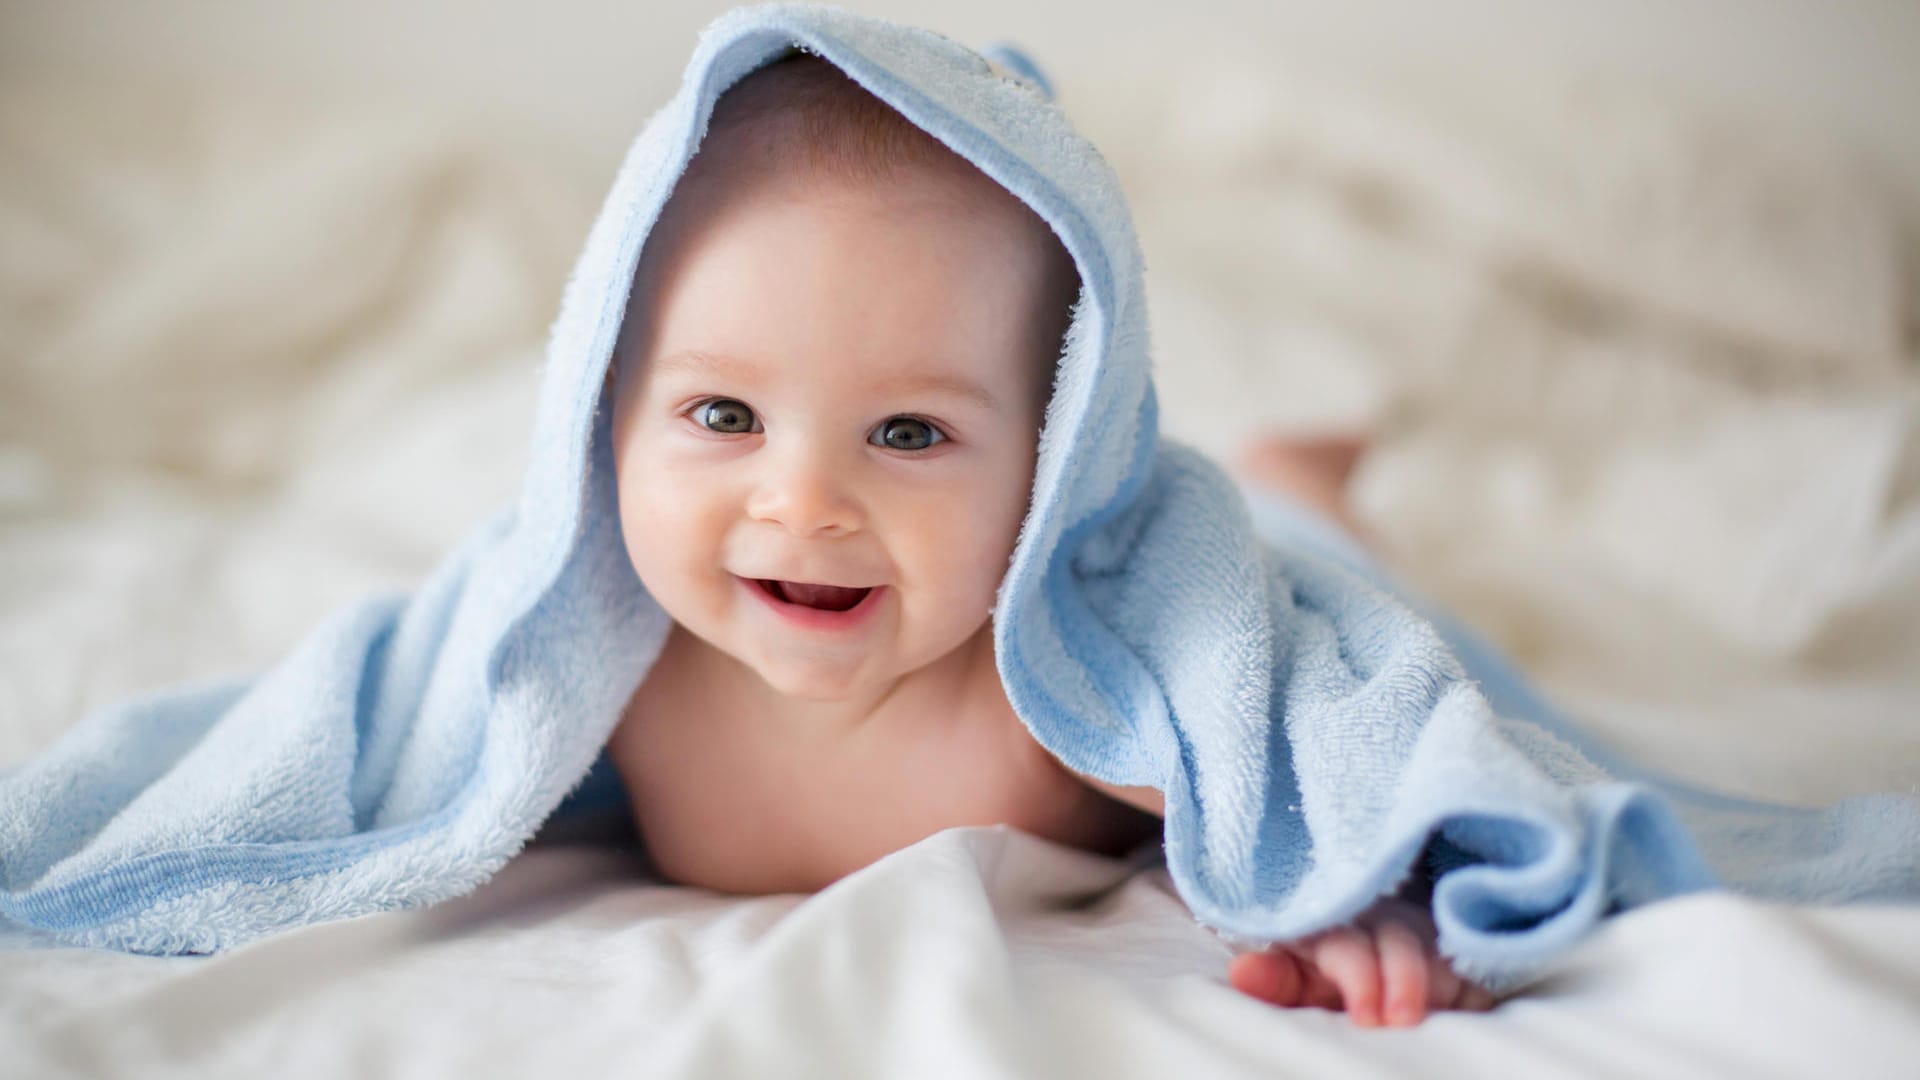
(807, 494)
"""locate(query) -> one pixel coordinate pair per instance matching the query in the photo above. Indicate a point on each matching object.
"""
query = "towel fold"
(1318, 740)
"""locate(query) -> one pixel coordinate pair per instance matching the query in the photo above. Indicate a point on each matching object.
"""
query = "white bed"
(1646, 384)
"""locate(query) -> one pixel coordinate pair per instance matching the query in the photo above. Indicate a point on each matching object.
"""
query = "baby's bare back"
(752, 802)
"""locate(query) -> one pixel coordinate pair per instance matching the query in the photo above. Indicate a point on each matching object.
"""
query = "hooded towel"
(1318, 741)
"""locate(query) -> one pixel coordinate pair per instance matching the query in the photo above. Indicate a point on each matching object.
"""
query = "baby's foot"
(1312, 469)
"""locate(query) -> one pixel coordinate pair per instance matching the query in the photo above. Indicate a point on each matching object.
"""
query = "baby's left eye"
(906, 433)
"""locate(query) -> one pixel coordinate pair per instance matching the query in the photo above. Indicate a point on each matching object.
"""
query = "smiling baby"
(827, 403)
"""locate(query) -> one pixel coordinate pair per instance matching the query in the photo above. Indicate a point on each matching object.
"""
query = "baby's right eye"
(726, 416)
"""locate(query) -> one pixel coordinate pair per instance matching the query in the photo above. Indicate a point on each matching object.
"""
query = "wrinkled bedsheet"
(979, 952)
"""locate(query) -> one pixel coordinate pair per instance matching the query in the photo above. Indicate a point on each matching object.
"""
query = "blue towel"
(1318, 739)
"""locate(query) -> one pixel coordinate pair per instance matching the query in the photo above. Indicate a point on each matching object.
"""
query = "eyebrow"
(696, 362)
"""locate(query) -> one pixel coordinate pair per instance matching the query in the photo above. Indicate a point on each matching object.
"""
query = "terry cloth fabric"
(1318, 741)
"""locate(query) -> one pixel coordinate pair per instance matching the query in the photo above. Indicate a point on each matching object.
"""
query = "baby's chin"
(826, 680)
(801, 683)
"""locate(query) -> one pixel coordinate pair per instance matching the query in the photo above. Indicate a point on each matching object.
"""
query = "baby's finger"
(1443, 986)
(1273, 975)
(1404, 972)
(1347, 957)
(1447, 990)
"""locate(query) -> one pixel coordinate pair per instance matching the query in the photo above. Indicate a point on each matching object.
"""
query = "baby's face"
(838, 385)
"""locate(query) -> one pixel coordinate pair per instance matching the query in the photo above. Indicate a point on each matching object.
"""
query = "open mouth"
(818, 597)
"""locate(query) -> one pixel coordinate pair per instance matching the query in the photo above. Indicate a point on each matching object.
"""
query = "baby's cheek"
(966, 553)
(996, 528)
(660, 535)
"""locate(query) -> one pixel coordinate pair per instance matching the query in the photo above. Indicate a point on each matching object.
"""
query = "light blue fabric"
(1317, 740)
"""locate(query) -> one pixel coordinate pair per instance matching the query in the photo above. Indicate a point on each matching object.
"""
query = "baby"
(827, 404)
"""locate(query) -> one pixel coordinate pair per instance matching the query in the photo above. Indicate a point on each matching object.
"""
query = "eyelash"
(693, 413)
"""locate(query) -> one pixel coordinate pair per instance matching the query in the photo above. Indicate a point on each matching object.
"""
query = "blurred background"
(1625, 293)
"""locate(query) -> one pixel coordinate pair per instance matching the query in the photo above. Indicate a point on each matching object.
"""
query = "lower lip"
(808, 618)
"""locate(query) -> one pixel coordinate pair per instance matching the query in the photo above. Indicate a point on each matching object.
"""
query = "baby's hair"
(802, 110)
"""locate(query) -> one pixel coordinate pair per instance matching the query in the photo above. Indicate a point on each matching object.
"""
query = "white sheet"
(979, 952)
(1674, 470)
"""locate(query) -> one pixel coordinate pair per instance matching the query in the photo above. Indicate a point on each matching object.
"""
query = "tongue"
(829, 597)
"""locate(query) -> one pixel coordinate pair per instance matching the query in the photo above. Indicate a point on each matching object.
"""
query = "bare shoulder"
(1147, 799)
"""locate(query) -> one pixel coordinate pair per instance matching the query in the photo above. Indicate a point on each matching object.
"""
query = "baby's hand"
(1384, 969)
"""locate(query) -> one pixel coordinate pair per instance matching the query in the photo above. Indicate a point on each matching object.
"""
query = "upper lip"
(803, 581)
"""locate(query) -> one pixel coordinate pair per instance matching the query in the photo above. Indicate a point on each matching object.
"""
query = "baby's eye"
(906, 433)
(726, 416)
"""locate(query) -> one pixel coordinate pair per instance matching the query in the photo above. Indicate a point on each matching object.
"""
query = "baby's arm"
(1383, 969)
